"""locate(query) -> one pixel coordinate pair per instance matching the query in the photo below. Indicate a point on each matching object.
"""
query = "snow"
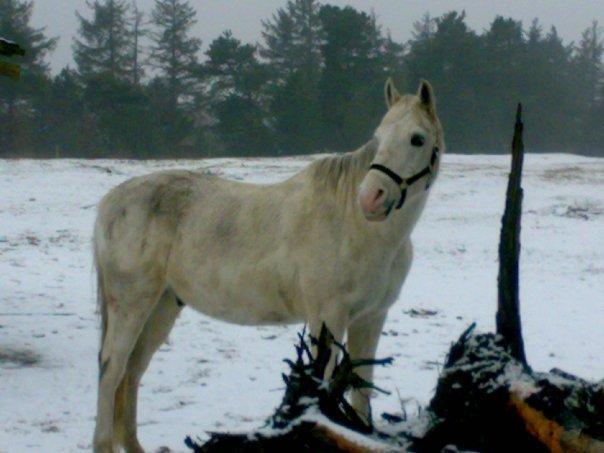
(216, 376)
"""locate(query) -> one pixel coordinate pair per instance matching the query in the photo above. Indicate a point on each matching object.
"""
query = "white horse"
(329, 245)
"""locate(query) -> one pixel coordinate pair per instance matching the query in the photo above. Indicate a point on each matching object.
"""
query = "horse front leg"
(363, 337)
(335, 317)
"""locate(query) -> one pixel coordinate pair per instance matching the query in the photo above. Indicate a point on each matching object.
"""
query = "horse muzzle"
(375, 202)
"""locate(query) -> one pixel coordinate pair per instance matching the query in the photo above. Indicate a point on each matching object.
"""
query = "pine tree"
(393, 56)
(588, 60)
(236, 79)
(58, 108)
(16, 96)
(424, 28)
(504, 46)
(542, 75)
(15, 26)
(588, 72)
(174, 51)
(292, 48)
(358, 59)
(293, 39)
(535, 32)
(447, 52)
(121, 118)
(105, 43)
(234, 68)
(138, 32)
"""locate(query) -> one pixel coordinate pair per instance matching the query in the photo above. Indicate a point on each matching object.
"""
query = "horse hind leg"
(156, 330)
(126, 306)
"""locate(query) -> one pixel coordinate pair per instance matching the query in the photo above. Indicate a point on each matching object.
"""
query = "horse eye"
(417, 140)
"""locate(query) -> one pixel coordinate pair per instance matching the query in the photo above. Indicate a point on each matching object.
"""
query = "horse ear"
(391, 93)
(426, 96)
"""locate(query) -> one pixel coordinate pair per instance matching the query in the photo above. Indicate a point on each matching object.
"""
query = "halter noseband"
(403, 183)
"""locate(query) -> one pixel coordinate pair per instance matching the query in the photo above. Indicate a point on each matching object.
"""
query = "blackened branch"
(508, 309)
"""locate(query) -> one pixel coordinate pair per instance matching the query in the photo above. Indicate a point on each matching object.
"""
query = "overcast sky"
(243, 16)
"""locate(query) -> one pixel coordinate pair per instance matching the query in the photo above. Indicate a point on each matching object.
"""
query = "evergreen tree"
(393, 57)
(588, 61)
(544, 78)
(233, 67)
(424, 29)
(292, 47)
(174, 55)
(124, 114)
(236, 79)
(117, 111)
(588, 72)
(448, 54)
(278, 36)
(358, 59)
(16, 126)
(503, 84)
(138, 32)
(293, 39)
(174, 51)
(58, 108)
(105, 44)
(315, 83)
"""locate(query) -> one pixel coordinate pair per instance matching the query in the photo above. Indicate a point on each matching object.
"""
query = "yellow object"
(10, 69)
(555, 437)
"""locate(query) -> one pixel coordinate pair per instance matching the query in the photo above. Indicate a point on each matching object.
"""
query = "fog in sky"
(244, 17)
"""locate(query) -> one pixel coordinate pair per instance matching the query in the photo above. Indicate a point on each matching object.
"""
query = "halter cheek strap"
(403, 183)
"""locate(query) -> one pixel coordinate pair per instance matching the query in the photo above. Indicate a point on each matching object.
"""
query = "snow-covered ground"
(216, 376)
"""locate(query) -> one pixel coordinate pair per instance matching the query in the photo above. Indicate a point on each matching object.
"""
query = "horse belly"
(240, 296)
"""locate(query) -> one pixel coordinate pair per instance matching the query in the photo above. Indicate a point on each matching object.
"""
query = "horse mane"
(344, 170)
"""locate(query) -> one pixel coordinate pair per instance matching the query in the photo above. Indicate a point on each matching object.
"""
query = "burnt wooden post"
(508, 307)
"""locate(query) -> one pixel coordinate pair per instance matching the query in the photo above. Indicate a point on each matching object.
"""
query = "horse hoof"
(103, 447)
(132, 446)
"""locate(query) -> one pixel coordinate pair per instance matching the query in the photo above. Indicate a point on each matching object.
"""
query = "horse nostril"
(379, 195)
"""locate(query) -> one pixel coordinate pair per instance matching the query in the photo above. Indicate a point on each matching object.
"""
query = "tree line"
(141, 87)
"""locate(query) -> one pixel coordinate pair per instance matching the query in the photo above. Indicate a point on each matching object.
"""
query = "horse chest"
(380, 284)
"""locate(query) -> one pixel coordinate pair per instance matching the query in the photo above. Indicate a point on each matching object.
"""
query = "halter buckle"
(401, 200)
(429, 179)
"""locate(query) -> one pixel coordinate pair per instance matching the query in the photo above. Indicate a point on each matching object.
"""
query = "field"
(216, 376)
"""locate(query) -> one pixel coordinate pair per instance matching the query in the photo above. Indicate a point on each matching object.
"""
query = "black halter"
(403, 183)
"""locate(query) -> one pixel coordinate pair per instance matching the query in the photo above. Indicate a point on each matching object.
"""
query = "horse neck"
(342, 174)
(362, 159)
